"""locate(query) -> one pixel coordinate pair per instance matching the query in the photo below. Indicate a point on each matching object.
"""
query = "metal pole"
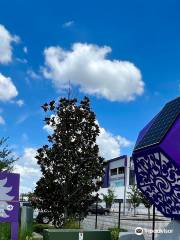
(153, 225)
(96, 214)
(14, 230)
(119, 216)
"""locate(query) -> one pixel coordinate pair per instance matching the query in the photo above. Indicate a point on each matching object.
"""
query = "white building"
(119, 175)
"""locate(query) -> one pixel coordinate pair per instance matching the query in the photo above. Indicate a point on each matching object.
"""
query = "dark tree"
(6, 157)
(71, 166)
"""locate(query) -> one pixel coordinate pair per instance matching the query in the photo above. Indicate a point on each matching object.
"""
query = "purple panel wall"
(171, 143)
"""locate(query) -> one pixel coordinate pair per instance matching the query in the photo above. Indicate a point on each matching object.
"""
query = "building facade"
(119, 175)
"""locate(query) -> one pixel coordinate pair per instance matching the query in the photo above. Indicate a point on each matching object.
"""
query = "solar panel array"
(161, 125)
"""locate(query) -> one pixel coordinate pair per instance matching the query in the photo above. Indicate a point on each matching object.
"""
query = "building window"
(121, 170)
(113, 171)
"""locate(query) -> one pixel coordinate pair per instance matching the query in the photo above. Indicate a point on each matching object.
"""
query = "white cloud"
(29, 157)
(20, 102)
(2, 121)
(48, 129)
(68, 24)
(7, 88)
(28, 169)
(110, 145)
(27, 165)
(87, 66)
(6, 40)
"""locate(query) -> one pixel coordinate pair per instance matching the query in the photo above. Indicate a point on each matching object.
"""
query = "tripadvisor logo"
(139, 231)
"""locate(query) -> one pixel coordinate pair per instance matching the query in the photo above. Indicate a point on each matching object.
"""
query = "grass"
(5, 232)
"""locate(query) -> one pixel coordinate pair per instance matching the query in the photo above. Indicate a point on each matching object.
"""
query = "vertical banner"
(9, 201)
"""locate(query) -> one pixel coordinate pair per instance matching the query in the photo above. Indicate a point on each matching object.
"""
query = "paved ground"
(127, 222)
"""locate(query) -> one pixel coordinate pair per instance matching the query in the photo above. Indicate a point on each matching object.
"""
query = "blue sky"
(125, 55)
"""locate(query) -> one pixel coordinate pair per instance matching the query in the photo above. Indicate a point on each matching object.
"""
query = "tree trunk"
(65, 214)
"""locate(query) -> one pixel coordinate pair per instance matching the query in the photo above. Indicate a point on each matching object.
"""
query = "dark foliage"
(71, 166)
(6, 157)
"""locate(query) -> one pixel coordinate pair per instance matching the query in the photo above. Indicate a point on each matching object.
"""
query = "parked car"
(100, 210)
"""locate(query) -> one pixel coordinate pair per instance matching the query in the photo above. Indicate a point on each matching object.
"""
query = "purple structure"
(9, 201)
(157, 160)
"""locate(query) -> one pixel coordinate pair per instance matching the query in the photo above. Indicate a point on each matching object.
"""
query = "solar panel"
(161, 125)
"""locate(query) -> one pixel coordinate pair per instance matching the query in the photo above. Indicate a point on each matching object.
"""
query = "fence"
(127, 221)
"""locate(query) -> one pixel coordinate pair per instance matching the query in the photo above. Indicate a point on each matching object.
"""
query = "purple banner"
(9, 197)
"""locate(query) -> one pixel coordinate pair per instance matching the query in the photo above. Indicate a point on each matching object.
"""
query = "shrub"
(71, 224)
(115, 232)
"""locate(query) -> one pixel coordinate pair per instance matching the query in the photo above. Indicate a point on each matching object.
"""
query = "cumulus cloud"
(28, 157)
(109, 145)
(20, 102)
(6, 40)
(87, 66)
(7, 88)
(2, 121)
(24, 170)
(28, 169)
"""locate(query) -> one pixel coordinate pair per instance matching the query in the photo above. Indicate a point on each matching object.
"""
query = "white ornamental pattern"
(159, 179)
(4, 198)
